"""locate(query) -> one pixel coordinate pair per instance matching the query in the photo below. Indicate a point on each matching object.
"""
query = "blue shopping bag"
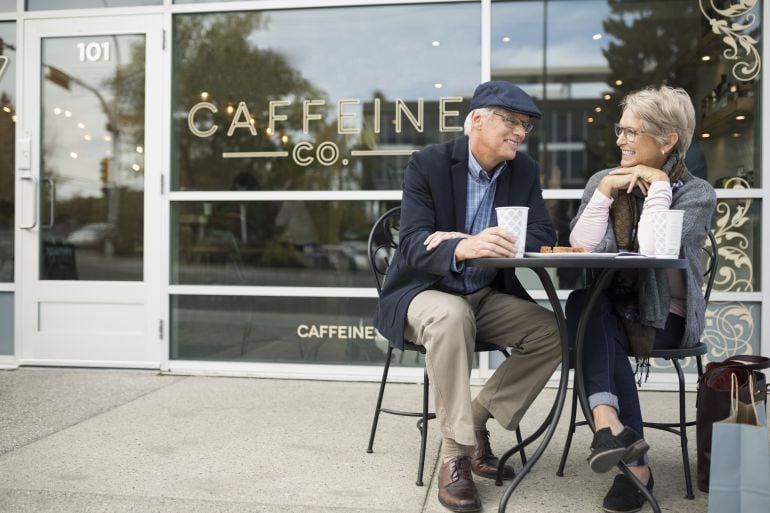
(740, 459)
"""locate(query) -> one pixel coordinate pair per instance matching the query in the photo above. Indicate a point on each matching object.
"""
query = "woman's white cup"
(514, 221)
(660, 233)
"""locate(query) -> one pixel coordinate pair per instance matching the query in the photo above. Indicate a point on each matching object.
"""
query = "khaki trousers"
(448, 326)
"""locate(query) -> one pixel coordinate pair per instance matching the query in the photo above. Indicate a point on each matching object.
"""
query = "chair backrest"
(383, 243)
(711, 269)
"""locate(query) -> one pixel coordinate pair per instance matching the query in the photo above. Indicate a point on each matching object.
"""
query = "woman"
(653, 135)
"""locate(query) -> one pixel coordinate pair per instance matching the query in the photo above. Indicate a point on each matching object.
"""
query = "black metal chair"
(678, 428)
(383, 243)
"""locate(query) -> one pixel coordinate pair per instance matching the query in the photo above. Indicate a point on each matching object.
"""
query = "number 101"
(94, 51)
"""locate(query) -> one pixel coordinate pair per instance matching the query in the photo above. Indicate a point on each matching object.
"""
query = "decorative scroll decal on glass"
(729, 330)
(735, 36)
(736, 270)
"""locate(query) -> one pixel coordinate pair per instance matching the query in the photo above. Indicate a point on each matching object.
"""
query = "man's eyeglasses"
(630, 133)
(512, 123)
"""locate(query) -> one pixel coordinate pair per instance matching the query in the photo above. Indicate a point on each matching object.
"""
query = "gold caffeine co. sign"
(348, 123)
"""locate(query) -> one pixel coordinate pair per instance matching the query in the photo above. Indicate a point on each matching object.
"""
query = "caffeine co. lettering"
(336, 331)
(347, 117)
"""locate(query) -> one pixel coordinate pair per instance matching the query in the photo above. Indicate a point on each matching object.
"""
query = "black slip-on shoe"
(635, 445)
(606, 451)
(624, 497)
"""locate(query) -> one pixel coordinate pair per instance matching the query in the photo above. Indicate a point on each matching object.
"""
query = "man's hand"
(436, 238)
(493, 242)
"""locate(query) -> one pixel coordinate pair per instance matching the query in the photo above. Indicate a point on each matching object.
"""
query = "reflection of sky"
(64, 137)
(351, 52)
(570, 43)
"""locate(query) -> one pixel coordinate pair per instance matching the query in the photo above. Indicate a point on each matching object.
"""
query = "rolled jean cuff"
(605, 398)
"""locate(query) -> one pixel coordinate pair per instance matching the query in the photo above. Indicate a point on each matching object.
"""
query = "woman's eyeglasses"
(630, 133)
(512, 123)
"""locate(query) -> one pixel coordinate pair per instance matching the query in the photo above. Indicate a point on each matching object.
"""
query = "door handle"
(34, 202)
(52, 195)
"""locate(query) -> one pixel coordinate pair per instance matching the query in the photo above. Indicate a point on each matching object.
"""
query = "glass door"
(88, 168)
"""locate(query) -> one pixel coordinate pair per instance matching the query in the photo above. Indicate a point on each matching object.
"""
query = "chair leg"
(518, 429)
(521, 452)
(423, 425)
(570, 432)
(683, 429)
(378, 408)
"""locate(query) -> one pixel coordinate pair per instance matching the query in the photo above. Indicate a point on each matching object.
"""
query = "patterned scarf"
(627, 208)
(625, 212)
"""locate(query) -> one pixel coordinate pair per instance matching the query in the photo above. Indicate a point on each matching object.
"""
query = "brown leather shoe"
(456, 489)
(483, 462)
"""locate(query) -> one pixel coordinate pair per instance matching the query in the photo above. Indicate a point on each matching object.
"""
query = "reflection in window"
(92, 160)
(8, 57)
(44, 5)
(597, 51)
(277, 329)
(330, 108)
(283, 243)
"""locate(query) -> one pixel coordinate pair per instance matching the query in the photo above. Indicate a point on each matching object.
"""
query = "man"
(432, 298)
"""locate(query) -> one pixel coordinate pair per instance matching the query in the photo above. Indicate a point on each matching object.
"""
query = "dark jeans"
(607, 372)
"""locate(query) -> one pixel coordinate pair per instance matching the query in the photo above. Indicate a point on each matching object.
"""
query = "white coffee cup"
(660, 233)
(514, 221)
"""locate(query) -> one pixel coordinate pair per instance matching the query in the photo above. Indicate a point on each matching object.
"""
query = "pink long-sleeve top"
(589, 231)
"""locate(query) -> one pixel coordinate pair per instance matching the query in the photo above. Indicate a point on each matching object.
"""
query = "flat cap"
(499, 93)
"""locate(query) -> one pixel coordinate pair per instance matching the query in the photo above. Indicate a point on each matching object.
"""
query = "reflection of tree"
(654, 43)
(213, 55)
(215, 61)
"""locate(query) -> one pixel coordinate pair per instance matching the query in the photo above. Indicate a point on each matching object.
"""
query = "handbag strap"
(744, 361)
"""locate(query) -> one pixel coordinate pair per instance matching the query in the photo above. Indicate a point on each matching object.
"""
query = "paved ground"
(110, 441)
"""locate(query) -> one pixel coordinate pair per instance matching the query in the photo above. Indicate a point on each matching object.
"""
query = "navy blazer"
(434, 199)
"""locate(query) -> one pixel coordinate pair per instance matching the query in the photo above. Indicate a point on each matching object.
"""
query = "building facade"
(188, 185)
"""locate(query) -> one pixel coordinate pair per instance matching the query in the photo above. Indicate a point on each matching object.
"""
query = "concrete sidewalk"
(111, 441)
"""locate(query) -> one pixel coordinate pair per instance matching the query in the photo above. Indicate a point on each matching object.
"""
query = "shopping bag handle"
(734, 388)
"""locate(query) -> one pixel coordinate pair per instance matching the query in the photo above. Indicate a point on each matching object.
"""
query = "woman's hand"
(436, 238)
(492, 242)
(646, 173)
(629, 177)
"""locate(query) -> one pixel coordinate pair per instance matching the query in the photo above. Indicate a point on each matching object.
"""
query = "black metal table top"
(582, 262)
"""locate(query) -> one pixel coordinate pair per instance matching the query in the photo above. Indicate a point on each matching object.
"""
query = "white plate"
(570, 255)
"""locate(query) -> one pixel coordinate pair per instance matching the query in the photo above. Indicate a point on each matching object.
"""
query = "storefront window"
(276, 329)
(7, 146)
(578, 58)
(339, 105)
(44, 5)
(329, 330)
(597, 51)
(278, 243)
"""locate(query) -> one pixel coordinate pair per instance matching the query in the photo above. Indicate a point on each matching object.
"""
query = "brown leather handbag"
(713, 402)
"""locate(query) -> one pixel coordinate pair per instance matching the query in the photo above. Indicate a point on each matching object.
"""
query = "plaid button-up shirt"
(479, 215)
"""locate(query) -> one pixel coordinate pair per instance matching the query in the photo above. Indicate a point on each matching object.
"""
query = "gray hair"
(484, 111)
(664, 110)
